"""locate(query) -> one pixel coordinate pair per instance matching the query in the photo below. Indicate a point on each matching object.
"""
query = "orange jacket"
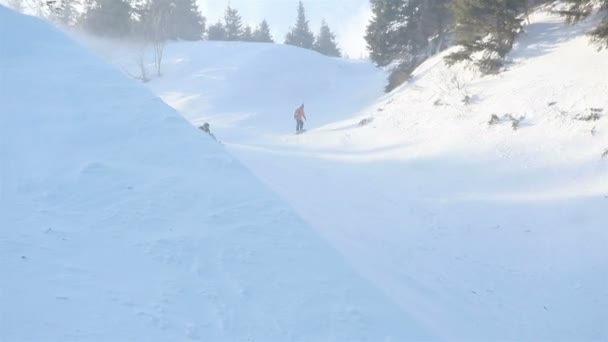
(299, 114)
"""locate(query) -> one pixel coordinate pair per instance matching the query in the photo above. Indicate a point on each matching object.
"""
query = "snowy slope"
(119, 221)
(490, 233)
(493, 233)
(248, 90)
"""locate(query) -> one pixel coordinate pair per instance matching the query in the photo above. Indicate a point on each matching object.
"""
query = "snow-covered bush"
(592, 114)
(515, 122)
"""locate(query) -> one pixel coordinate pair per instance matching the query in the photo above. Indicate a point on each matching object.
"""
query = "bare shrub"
(515, 122)
(591, 114)
(494, 120)
(365, 121)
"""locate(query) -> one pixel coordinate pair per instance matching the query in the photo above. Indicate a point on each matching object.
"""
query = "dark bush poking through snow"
(592, 114)
(494, 120)
(365, 122)
(515, 122)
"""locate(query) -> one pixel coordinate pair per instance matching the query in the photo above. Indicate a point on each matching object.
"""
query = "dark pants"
(300, 125)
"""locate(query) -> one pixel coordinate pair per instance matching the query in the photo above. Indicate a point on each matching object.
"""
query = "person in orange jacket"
(300, 116)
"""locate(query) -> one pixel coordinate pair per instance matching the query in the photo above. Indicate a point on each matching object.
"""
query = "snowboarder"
(205, 128)
(300, 116)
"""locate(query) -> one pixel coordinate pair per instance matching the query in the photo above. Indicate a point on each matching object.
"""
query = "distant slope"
(248, 89)
(119, 221)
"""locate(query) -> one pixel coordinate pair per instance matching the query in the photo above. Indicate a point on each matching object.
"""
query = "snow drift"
(121, 221)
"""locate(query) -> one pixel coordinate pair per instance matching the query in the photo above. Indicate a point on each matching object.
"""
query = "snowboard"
(300, 132)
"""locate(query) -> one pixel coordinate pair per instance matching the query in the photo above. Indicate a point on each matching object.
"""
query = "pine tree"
(247, 35)
(216, 32)
(300, 35)
(393, 30)
(111, 18)
(154, 20)
(577, 10)
(262, 33)
(183, 20)
(404, 33)
(65, 12)
(580, 9)
(435, 24)
(233, 24)
(599, 35)
(383, 31)
(325, 42)
(178, 19)
(488, 28)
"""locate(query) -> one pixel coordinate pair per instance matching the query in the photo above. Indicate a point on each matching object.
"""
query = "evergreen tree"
(577, 10)
(233, 24)
(153, 20)
(404, 33)
(325, 42)
(262, 33)
(184, 20)
(176, 19)
(300, 35)
(247, 35)
(486, 28)
(435, 24)
(111, 18)
(216, 32)
(383, 31)
(580, 9)
(66, 12)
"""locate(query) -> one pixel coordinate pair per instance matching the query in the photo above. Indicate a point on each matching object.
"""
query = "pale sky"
(347, 18)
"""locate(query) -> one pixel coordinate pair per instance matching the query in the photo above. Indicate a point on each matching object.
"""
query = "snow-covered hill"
(554, 81)
(248, 90)
(490, 233)
(500, 232)
(119, 221)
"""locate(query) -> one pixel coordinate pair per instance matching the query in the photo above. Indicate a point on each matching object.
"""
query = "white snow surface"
(119, 221)
(457, 230)
(479, 232)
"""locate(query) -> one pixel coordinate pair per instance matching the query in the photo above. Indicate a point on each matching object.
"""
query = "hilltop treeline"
(404, 33)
